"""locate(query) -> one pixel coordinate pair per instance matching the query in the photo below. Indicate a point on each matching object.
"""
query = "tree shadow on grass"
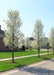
(45, 58)
(20, 65)
(48, 59)
(37, 70)
(51, 60)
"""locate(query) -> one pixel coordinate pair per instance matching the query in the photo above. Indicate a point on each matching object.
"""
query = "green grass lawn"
(5, 65)
(17, 54)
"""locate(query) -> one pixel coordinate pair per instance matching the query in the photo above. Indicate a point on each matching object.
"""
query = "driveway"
(40, 68)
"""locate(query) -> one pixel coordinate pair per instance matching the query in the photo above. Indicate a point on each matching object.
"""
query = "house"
(2, 45)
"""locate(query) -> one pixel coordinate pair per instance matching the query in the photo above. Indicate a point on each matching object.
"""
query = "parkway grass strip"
(7, 65)
(18, 54)
(23, 56)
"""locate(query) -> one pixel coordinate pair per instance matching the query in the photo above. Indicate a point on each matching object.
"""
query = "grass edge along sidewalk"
(18, 54)
(23, 56)
(7, 65)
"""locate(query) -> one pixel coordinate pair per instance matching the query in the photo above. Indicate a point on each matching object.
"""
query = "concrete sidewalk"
(23, 56)
(40, 68)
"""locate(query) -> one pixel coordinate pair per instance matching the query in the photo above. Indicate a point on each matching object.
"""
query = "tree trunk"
(48, 51)
(12, 56)
(13, 46)
(53, 51)
(38, 46)
(38, 52)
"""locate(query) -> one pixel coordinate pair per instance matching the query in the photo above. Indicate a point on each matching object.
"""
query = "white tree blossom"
(51, 38)
(13, 30)
(13, 27)
(27, 42)
(38, 34)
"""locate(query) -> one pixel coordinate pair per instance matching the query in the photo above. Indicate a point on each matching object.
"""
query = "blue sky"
(30, 11)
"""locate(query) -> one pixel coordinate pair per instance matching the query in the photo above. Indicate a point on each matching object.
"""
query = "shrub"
(23, 47)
